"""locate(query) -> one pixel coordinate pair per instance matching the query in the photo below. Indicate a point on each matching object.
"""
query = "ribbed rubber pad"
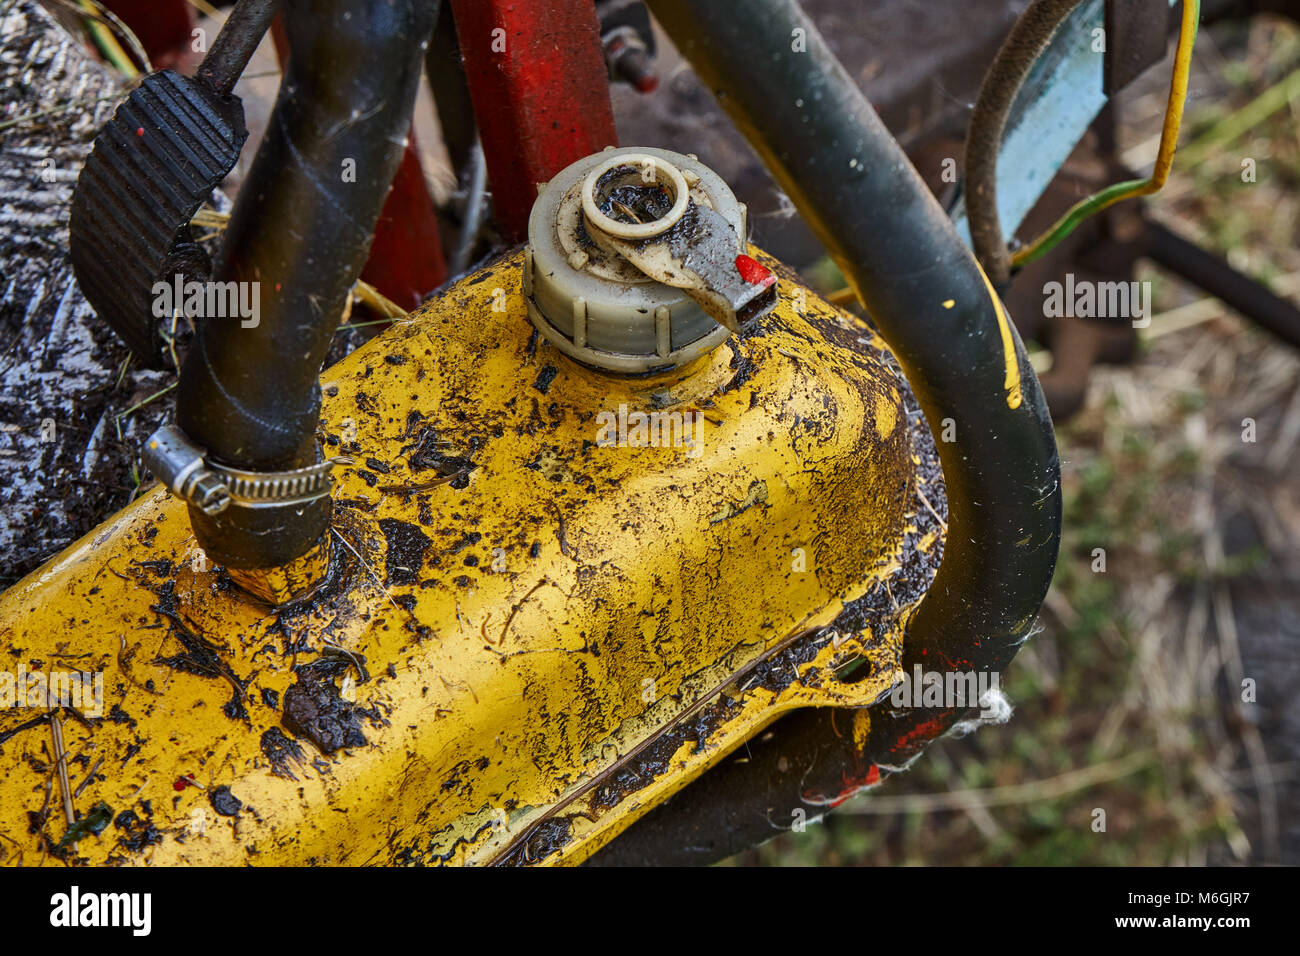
(153, 164)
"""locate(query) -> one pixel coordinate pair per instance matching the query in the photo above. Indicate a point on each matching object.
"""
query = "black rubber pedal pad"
(168, 146)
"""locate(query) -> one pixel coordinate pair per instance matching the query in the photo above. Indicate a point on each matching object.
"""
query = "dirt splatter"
(428, 451)
(224, 802)
(282, 751)
(315, 710)
(201, 656)
(406, 547)
(545, 378)
(137, 833)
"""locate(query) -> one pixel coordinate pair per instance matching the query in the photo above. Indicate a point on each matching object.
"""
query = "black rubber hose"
(301, 230)
(1216, 276)
(851, 181)
(1021, 49)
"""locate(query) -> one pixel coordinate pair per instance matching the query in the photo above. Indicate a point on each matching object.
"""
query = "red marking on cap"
(647, 84)
(753, 271)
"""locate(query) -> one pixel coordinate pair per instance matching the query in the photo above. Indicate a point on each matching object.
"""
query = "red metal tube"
(163, 27)
(540, 90)
(406, 261)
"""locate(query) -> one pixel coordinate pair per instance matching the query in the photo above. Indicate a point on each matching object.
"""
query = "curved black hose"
(856, 188)
(301, 230)
(1021, 49)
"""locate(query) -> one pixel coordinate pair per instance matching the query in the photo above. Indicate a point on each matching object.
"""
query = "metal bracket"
(1061, 99)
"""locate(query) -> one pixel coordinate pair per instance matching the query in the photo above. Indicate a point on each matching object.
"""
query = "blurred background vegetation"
(1129, 700)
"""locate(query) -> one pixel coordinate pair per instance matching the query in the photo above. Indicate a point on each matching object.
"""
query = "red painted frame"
(540, 91)
(163, 27)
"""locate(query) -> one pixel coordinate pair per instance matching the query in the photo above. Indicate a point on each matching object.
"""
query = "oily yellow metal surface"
(520, 600)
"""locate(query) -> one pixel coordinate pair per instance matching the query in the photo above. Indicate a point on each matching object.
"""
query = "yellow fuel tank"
(539, 574)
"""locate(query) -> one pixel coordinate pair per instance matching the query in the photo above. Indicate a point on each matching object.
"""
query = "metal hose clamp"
(254, 489)
(181, 465)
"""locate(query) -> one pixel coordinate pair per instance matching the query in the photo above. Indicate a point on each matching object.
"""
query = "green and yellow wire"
(1164, 160)
(101, 24)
